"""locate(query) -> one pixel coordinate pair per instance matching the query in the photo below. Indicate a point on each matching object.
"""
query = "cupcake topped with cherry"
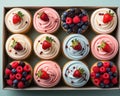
(75, 20)
(18, 74)
(104, 74)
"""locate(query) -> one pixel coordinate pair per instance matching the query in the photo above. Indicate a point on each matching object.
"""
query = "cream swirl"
(97, 21)
(70, 68)
(24, 41)
(98, 52)
(50, 53)
(75, 54)
(52, 69)
(46, 26)
(21, 27)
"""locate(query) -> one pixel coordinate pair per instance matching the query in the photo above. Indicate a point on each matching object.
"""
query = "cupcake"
(103, 20)
(47, 73)
(104, 47)
(75, 20)
(18, 46)
(75, 74)
(18, 74)
(18, 20)
(104, 74)
(76, 47)
(46, 46)
(46, 20)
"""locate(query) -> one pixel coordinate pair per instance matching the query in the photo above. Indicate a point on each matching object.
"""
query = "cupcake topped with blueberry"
(18, 74)
(75, 20)
(104, 74)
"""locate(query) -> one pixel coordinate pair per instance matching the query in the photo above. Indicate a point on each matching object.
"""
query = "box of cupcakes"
(61, 48)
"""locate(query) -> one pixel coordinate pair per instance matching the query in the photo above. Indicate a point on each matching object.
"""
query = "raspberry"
(85, 18)
(106, 76)
(14, 64)
(102, 69)
(76, 19)
(27, 68)
(19, 69)
(113, 69)
(68, 20)
(20, 84)
(9, 82)
(106, 81)
(12, 76)
(96, 69)
(93, 75)
(7, 71)
(28, 77)
(106, 64)
(96, 82)
(18, 76)
(114, 81)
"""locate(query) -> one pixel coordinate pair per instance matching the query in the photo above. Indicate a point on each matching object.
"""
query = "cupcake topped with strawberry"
(75, 74)
(75, 20)
(18, 74)
(46, 46)
(104, 74)
(104, 20)
(76, 47)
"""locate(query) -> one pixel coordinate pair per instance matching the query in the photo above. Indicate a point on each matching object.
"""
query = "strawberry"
(44, 16)
(43, 74)
(78, 73)
(17, 46)
(85, 18)
(20, 84)
(17, 17)
(47, 43)
(27, 68)
(7, 71)
(108, 17)
(14, 64)
(76, 19)
(68, 20)
(76, 45)
(105, 47)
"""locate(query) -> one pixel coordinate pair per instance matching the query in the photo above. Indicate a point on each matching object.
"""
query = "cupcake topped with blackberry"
(18, 74)
(75, 20)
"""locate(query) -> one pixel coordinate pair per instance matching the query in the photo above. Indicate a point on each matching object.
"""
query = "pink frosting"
(52, 69)
(46, 26)
(98, 52)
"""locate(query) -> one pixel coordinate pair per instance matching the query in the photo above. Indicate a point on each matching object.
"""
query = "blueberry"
(65, 25)
(108, 69)
(14, 85)
(80, 24)
(107, 86)
(84, 27)
(71, 25)
(84, 12)
(86, 23)
(111, 64)
(72, 9)
(22, 63)
(97, 75)
(111, 77)
(24, 74)
(80, 15)
(65, 14)
(14, 71)
(6, 76)
(79, 30)
(23, 79)
(110, 73)
(77, 11)
(27, 84)
(15, 81)
(111, 85)
(102, 85)
(9, 66)
(75, 28)
(99, 64)
(114, 74)
(69, 30)
(63, 18)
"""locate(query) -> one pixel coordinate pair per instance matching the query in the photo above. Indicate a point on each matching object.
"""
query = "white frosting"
(24, 41)
(68, 71)
(97, 21)
(48, 53)
(19, 27)
(74, 54)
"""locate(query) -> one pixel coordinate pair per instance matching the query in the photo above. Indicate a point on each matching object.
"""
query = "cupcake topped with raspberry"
(18, 74)
(75, 20)
(104, 74)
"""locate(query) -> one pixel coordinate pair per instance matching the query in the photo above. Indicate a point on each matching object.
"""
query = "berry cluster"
(104, 74)
(18, 74)
(75, 20)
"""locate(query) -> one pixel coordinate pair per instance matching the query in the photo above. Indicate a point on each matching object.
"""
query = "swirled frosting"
(24, 41)
(68, 71)
(98, 52)
(50, 53)
(97, 21)
(54, 71)
(46, 26)
(21, 27)
(75, 54)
